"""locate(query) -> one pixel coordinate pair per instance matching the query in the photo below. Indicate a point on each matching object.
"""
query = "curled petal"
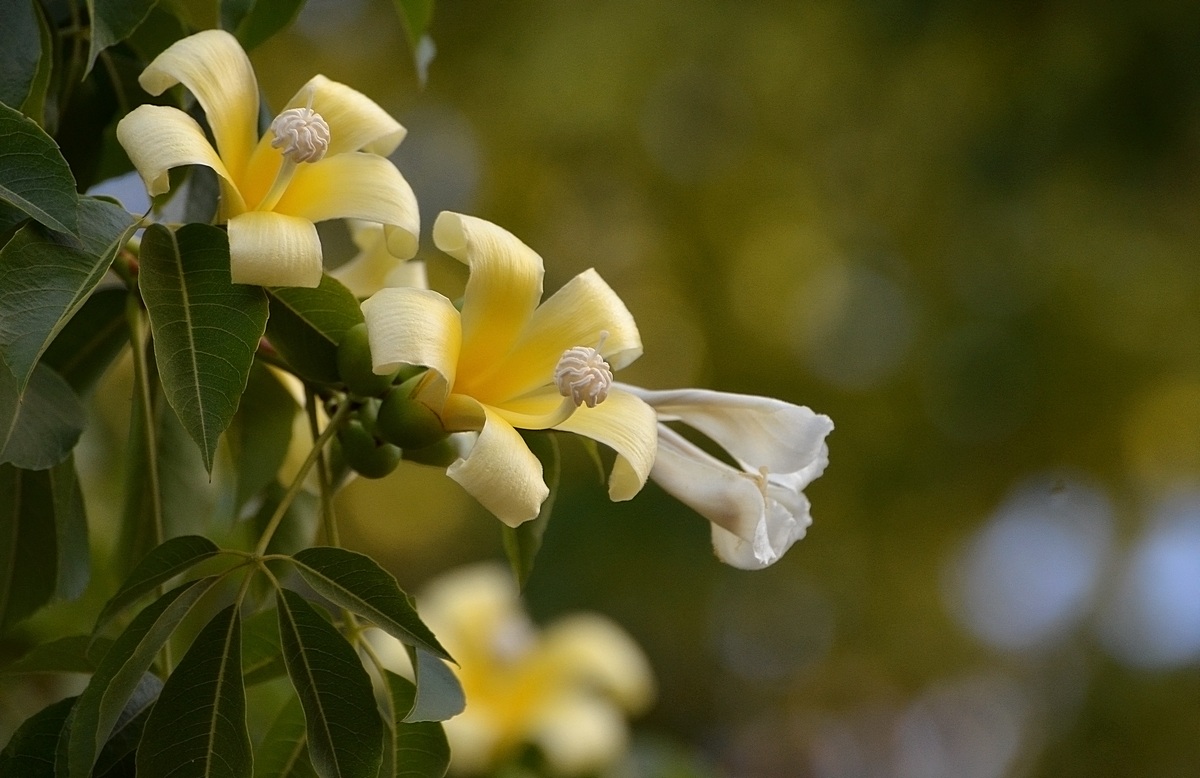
(628, 426)
(270, 249)
(758, 519)
(576, 315)
(356, 122)
(158, 138)
(502, 473)
(502, 292)
(540, 410)
(409, 326)
(356, 186)
(214, 68)
(374, 267)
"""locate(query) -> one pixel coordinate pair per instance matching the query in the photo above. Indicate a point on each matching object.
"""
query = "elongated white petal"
(584, 312)
(600, 655)
(787, 520)
(502, 292)
(757, 431)
(407, 326)
(502, 473)
(355, 121)
(270, 249)
(628, 426)
(214, 68)
(158, 138)
(356, 186)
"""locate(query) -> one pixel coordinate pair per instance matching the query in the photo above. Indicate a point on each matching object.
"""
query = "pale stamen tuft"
(583, 375)
(301, 135)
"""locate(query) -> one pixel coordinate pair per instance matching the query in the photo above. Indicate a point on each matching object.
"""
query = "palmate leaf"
(522, 543)
(306, 326)
(344, 731)
(410, 749)
(163, 563)
(116, 759)
(46, 277)
(74, 654)
(34, 177)
(262, 659)
(284, 751)
(198, 726)
(357, 583)
(30, 752)
(112, 22)
(98, 709)
(41, 424)
(44, 551)
(206, 328)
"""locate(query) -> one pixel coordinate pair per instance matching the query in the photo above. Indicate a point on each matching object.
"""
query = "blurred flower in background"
(564, 690)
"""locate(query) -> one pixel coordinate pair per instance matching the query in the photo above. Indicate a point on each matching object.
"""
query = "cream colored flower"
(321, 159)
(374, 267)
(507, 362)
(565, 689)
(757, 509)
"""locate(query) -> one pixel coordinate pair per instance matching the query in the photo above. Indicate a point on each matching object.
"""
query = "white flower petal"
(628, 426)
(502, 473)
(270, 249)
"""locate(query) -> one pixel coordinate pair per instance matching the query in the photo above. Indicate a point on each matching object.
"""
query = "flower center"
(583, 375)
(301, 135)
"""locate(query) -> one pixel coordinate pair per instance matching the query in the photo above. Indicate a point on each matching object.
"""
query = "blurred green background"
(967, 232)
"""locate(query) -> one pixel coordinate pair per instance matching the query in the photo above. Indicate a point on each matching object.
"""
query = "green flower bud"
(368, 456)
(407, 422)
(354, 364)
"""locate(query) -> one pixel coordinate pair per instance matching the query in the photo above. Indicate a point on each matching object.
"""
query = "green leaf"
(112, 22)
(262, 659)
(206, 328)
(115, 680)
(46, 277)
(117, 758)
(415, 15)
(255, 21)
(357, 583)
(34, 177)
(44, 550)
(74, 654)
(30, 753)
(91, 341)
(307, 324)
(284, 750)
(439, 694)
(163, 563)
(198, 726)
(20, 51)
(34, 105)
(522, 543)
(39, 426)
(261, 432)
(345, 734)
(410, 749)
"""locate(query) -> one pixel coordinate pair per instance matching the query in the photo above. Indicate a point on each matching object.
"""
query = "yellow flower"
(321, 159)
(507, 362)
(564, 689)
(374, 267)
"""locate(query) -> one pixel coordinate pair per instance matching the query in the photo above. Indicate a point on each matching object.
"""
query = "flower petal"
(575, 315)
(600, 655)
(158, 138)
(579, 734)
(502, 292)
(356, 186)
(757, 431)
(774, 536)
(374, 267)
(407, 326)
(270, 249)
(356, 122)
(502, 473)
(628, 426)
(540, 410)
(213, 66)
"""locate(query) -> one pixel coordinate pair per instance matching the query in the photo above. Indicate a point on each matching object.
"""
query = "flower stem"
(323, 485)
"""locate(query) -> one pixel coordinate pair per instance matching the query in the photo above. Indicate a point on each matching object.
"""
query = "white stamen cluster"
(301, 135)
(584, 376)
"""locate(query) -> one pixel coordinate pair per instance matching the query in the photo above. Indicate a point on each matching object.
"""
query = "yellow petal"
(408, 326)
(502, 291)
(537, 411)
(628, 426)
(270, 249)
(502, 473)
(213, 66)
(356, 122)
(600, 655)
(356, 186)
(575, 315)
(158, 138)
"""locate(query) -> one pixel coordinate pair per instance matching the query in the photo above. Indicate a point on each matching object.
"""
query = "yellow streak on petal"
(356, 186)
(270, 249)
(628, 426)
(502, 473)
(356, 122)
(158, 138)
(213, 66)
(502, 292)
(409, 326)
(540, 410)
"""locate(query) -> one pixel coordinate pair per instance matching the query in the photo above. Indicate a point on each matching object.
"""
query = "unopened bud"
(301, 135)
